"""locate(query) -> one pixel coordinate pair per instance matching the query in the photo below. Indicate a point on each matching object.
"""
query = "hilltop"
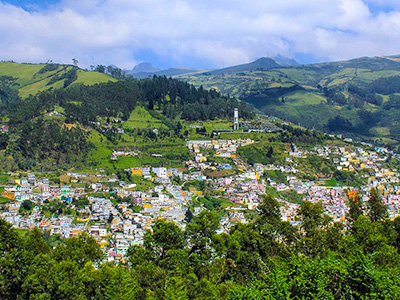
(260, 64)
(357, 97)
(33, 78)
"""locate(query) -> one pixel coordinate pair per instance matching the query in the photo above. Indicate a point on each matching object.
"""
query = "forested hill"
(358, 97)
(56, 127)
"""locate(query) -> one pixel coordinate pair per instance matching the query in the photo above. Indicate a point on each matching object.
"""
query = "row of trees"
(267, 258)
(117, 99)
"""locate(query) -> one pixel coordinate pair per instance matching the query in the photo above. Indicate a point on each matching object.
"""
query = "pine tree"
(377, 209)
(355, 205)
(121, 285)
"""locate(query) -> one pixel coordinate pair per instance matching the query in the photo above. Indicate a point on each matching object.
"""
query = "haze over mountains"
(144, 70)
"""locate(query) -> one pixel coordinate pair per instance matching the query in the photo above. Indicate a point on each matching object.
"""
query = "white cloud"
(221, 32)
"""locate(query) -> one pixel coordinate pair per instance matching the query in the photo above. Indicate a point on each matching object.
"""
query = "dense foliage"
(7, 94)
(385, 85)
(266, 258)
(117, 99)
(52, 127)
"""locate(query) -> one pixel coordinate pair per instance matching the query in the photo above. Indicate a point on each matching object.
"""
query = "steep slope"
(33, 78)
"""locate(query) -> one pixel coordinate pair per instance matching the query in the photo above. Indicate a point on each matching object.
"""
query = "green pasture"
(141, 118)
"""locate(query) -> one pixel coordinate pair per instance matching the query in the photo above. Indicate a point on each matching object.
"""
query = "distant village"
(117, 224)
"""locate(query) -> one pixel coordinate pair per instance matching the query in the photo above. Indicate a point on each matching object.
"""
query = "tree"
(27, 205)
(13, 265)
(355, 204)
(313, 221)
(100, 68)
(121, 285)
(175, 289)
(396, 227)
(377, 209)
(165, 236)
(80, 249)
(35, 243)
(200, 231)
(269, 210)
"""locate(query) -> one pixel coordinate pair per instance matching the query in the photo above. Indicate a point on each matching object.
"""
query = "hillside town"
(117, 214)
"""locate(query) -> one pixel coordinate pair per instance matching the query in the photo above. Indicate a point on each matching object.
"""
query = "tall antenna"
(236, 119)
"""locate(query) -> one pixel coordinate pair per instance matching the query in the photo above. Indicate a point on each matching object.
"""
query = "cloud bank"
(206, 34)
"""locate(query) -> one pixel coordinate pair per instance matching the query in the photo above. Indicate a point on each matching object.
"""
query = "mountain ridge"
(357, 97)
(144, 70)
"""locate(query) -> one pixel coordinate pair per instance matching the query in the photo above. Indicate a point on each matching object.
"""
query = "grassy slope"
(141, 118)
(29, 81)
(90, 78)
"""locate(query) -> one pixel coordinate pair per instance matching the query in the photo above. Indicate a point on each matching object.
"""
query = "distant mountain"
(144, 68)
(178, 71)
(262, 63)
(285, 61)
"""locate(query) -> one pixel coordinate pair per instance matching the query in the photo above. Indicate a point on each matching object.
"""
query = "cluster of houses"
(121, 217)
(222, 148)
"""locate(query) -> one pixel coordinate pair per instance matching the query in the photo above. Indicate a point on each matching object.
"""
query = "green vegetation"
(316, 165)
(345, 178)
(81, 125)
(213, 203)
(30, 79)
(141, 118)
(266, 258)
(264, 153)
(26, 206)
(291, 196)
(4, 200)
(349, 97)
(277, 176)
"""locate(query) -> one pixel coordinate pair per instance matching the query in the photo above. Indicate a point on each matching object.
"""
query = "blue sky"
(32, 5)
(191, 33)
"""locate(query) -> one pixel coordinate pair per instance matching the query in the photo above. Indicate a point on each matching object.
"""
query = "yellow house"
(102, 243)
(137, 172)
(82, 220)
(9, 195)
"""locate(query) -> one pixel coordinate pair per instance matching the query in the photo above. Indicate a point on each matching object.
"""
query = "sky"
(204, 34)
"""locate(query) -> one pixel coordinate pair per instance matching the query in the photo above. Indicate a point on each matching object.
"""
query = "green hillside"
(33, 78)
(356, 97)
(80, 125)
